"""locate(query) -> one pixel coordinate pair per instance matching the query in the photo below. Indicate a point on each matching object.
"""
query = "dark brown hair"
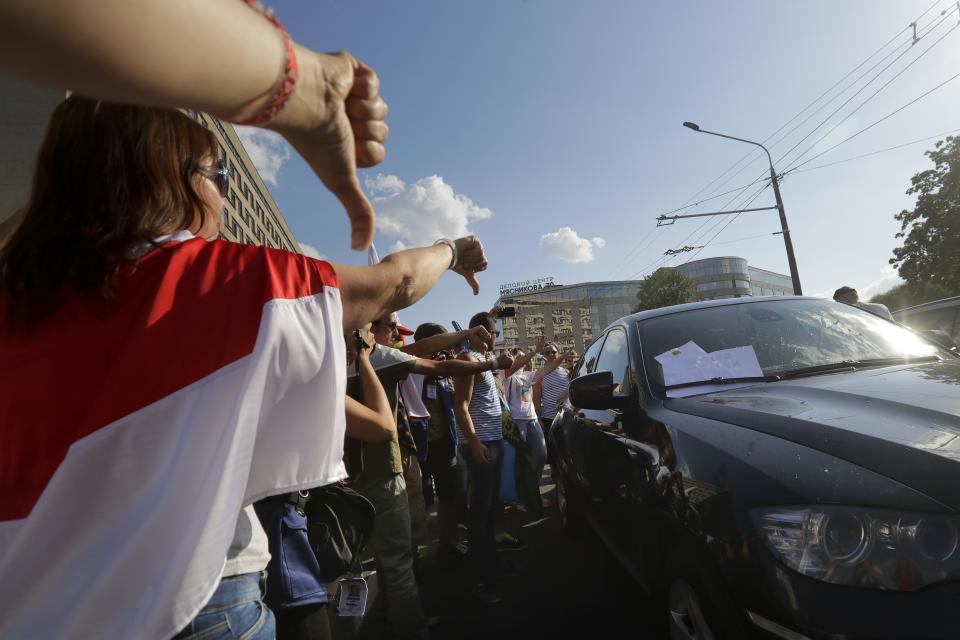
(108, 178)
(427, 330)
(484, 319)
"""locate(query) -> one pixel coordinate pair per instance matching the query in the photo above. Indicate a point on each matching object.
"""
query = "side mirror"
(595, 391)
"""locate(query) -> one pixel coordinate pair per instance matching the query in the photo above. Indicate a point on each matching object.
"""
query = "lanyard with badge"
(352, 600)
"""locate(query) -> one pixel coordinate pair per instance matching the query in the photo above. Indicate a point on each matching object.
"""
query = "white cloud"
(399, 245)
(311, 251)
(267, 149)
(419, 213)
(566, 245)
(889, 278)
(382, 184)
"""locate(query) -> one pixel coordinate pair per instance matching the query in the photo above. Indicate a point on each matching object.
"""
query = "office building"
(24, 111)
(250, 214)
(733, 277)
(568, 315)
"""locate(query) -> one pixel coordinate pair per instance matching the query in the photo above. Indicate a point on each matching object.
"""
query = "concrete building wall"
(570, 315)
(251, 215)
(24, 111)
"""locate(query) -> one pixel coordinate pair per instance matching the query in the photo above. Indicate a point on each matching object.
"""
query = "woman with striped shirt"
(479, 416)
(553, 386)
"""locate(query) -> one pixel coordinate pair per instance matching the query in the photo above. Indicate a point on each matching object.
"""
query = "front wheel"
(686, 619)
(698, 608)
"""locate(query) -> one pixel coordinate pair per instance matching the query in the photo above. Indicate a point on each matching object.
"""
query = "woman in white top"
(518, 389)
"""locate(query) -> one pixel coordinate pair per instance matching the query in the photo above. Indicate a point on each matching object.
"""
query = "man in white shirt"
(382, 479)
(849, 295)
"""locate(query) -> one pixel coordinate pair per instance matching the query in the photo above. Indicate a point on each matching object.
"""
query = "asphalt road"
(562, 588)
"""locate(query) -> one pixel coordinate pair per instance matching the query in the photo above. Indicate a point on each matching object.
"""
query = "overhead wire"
(815, 100)
(929, 28)
(874, 94)
(873, 124)
(872, 153)
(643, 244)
(719, 195)
(728, 223)
(818, 98)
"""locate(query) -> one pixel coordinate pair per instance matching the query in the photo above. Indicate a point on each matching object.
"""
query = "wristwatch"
(453, 248)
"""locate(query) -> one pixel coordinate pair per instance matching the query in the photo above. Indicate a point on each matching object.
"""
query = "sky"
(552, 130)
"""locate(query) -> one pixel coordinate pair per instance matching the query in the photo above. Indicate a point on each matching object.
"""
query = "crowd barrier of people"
(169, 400)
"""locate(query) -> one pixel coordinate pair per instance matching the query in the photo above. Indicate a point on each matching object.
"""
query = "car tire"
(697, 605)
(571, 517)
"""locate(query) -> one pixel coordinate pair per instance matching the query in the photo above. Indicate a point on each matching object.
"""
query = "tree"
(931, 232)
(662, 288)
(908, 294)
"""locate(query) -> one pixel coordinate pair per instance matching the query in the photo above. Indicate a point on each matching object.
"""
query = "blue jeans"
(484, 500)
(532, 434)
(235, 611)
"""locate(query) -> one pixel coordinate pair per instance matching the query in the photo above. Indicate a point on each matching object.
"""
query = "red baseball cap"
(402, 330)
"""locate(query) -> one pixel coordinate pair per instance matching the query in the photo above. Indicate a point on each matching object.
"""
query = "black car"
(816, 497)
(938, 320)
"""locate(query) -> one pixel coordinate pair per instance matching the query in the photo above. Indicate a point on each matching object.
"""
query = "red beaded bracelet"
(291, 71)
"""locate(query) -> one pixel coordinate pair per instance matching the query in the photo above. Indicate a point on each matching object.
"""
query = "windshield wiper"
(699, 383)
(853, 365)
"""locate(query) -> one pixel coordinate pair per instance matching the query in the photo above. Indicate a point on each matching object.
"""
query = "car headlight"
(873, 548)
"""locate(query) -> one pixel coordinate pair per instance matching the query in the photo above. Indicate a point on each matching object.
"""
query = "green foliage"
(931, 232)
(662, 288)
(908, 294)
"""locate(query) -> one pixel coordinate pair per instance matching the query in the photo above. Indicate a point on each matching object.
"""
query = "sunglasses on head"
(218, 175)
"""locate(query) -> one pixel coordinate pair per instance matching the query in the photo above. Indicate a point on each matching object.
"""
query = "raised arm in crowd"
(184, 54)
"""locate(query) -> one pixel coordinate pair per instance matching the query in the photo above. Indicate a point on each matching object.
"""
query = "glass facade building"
(733, 277)
(569, 315)
(768, 283)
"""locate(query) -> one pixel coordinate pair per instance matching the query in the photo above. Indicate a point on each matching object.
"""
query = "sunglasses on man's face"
(550, 353)
(218, 175)
(392, 326)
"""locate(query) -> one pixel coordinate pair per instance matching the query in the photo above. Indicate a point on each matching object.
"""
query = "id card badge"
(353, 597)
(431, 392)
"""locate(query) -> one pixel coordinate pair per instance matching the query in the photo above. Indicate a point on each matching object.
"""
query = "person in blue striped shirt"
(479, 415)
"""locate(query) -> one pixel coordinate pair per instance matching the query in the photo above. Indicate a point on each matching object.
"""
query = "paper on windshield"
(690, 363)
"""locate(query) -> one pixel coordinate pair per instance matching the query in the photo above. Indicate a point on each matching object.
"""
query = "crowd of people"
(170, 399)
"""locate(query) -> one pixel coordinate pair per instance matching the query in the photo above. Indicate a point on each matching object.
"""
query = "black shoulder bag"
(339, 524)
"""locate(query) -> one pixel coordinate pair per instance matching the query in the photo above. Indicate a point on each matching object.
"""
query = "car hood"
(902, 422)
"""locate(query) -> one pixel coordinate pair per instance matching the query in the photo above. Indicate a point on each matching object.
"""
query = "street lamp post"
(787, 242)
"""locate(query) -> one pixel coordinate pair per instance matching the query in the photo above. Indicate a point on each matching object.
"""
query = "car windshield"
(786, 335)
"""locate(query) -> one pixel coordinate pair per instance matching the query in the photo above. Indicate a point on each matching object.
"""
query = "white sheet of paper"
(689, 363)
(739, 362)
